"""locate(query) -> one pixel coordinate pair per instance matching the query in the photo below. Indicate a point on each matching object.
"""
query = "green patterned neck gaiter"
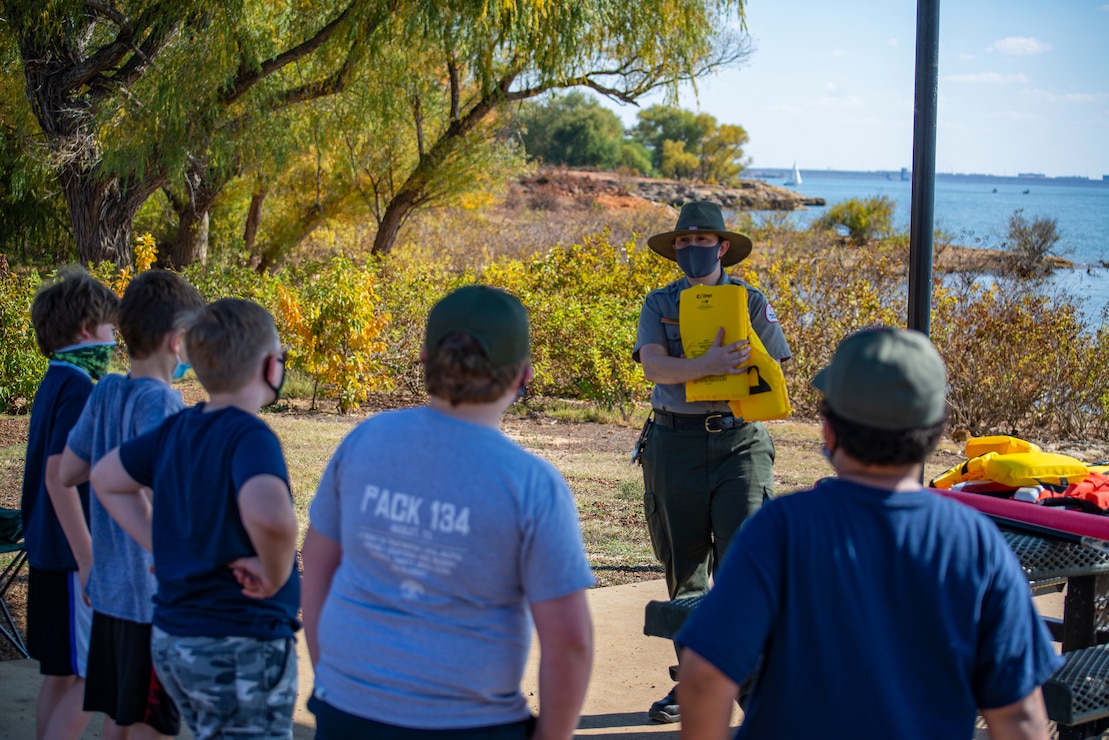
(93, 358)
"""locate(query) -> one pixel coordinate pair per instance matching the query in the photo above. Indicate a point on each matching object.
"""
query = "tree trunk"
(395, 214)
(191, 244)
(101, 218)
(254, 218)
(193, 209)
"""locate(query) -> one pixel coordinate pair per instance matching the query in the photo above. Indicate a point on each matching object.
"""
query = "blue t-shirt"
(196, 463)
(448, 531)
(120, 408)
(59, 401)
(892, 614)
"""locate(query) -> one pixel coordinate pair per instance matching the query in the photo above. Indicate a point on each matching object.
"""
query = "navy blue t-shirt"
(196, 463)
(893, 614)
(59, 400)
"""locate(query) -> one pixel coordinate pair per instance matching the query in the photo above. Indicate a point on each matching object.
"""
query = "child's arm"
(72, 470)
(321, 559)
(122, 496)
(67, 507)
(266, 510)
(565, 630)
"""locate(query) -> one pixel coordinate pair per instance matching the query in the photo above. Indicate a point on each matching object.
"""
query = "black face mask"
(697, 261)
(266, 376)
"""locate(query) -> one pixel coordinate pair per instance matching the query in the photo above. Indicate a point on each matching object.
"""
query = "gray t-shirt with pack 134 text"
(448, 531)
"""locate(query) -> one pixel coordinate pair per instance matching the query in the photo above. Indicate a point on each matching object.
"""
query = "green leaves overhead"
(184, 96)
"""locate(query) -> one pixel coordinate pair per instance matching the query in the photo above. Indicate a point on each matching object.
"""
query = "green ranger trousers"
(699, 488)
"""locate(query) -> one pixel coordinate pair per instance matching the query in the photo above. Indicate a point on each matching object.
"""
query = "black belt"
(711, 423)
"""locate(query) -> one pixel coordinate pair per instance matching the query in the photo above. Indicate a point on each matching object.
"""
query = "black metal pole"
(922, 215)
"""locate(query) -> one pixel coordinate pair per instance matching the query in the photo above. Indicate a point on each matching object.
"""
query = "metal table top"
(1043, 558)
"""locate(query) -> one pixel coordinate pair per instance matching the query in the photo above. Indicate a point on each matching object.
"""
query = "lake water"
(974, 210)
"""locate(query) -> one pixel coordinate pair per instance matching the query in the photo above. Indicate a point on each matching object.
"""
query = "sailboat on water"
(795, 176)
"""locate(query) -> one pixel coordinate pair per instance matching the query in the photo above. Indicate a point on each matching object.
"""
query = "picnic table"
(1076, 695)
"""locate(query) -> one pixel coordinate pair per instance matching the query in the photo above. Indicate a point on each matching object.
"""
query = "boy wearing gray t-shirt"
(121, 679)
(432, 538)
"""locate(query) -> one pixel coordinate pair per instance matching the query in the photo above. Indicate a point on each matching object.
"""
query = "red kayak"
(1048, 520)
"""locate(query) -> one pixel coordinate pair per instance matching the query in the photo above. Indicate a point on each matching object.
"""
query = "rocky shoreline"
(610, 189)
(557, 188)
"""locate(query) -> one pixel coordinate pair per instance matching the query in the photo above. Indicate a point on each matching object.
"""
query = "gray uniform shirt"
(658, 324)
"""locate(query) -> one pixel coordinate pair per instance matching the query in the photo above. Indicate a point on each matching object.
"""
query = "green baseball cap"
(885, 378)
(497, 320)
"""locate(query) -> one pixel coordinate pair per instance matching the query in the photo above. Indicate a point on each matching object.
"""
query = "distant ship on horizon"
(1032, 175)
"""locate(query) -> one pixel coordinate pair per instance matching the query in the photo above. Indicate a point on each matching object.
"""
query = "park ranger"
(704, 469)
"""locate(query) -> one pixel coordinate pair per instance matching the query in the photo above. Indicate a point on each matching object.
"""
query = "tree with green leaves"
(33, 221)
(573, 129)
(684, 144)
(184, 97)
(131, 96)
(514, 52)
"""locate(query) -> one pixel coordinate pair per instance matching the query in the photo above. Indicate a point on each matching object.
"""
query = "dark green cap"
(497, 320)
(885, 378)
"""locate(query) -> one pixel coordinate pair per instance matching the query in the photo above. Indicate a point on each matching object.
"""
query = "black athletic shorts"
(57, 622)
(335, 724)
(122, 682)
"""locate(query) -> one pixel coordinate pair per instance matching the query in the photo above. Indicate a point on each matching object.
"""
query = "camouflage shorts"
(229, 686)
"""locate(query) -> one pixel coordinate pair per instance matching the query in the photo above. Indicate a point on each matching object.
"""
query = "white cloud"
(782, 107)
(989, 78)
(1104, 8)
(1020, 46)
(1076, 97)
(891, 42)
(964, 57)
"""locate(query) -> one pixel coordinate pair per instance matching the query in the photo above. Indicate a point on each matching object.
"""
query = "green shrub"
(864, 219)
(21, 364)
(1031, 244)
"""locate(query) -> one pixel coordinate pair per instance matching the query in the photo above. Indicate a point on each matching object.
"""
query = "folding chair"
(11, 543)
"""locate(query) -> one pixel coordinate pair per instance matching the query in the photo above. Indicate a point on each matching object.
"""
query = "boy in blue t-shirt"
(221, 525)
(74, 319)
(890, 610)
(121, 678)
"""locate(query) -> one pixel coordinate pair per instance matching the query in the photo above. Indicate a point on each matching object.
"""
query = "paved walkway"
(629, 672)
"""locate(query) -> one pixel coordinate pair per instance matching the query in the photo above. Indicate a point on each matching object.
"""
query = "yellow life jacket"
(1016, 469)
(767, 398)
(759, 394)
(1002, 445)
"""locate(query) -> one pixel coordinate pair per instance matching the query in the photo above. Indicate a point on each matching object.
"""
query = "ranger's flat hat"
(702, 216)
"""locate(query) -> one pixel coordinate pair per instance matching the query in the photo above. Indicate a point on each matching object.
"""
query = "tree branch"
(247, 78)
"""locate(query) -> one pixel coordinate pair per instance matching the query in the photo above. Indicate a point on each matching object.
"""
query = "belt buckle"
(709, 418)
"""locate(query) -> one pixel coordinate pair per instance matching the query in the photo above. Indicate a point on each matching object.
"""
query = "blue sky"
(1024, 86)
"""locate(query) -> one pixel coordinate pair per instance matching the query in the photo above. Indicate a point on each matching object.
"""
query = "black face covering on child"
(281, 384)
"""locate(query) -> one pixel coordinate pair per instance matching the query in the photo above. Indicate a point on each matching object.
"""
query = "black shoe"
(666, 709)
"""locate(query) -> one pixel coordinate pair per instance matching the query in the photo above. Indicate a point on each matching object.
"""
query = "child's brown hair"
(71, 301)
(153, 305)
